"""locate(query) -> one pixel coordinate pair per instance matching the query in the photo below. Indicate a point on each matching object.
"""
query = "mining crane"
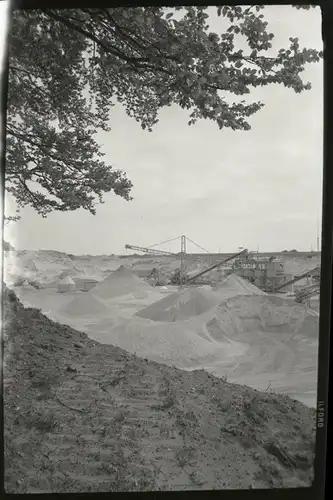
(151, 251)
(217, 264)
(182, 278)
(311, 272)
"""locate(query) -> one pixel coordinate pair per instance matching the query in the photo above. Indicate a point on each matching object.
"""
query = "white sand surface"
(252, 337)
(171, 343)
(234, 285)
(282, 341)
(261, 341)
(121, 282)
(26, 287)
(86, 305)
(180, 305)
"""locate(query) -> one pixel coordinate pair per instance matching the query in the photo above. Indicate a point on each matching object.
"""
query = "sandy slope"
(46, 265)
(119, 283)
(234, 285)
(240, 346)
(251, 337)
(280, 345)
(81, 416)
(180, 305)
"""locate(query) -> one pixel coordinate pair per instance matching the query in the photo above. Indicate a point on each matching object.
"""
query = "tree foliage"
(69, 67)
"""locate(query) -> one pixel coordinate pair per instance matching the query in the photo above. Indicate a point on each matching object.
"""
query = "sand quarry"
(156, 359)
(235, 331)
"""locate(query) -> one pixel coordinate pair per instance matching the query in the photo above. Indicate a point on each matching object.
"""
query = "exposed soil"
(82, 416)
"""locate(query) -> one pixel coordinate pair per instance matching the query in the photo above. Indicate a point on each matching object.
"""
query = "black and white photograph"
(162, 246)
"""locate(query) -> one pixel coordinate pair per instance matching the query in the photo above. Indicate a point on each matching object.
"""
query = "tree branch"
(31, 194)
(47, 152)
(133, 61)
(122, 29)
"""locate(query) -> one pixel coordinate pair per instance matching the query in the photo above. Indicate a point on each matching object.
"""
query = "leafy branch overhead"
(69, 67)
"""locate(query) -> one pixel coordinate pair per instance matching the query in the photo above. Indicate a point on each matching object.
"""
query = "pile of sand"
(44, 268)
(255, 340)
(120, 282)
(85, 305)
(235, 285)
(26, 286)
(180, 305)
(241, 316)
(175, 343)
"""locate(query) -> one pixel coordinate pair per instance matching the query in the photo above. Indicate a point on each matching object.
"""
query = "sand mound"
(174, 343)
(180, 305)
(239, 317)
(84, 305)
(26, 286)
(120, 282)
(235, 285)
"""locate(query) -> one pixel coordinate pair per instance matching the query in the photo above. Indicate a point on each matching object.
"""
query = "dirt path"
(81, 416)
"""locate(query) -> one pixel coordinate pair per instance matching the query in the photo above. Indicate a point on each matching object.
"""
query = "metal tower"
(318, 234)
(182, 261)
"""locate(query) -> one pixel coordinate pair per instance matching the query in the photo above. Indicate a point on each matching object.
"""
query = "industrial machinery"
(310, 273)
(217, 264)
(265, 272)
(193, 279)
(180, 276)
(154, 251)
(304, 294)
(151, 251)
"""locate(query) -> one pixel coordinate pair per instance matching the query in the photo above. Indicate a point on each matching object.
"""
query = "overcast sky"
(222, 189)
